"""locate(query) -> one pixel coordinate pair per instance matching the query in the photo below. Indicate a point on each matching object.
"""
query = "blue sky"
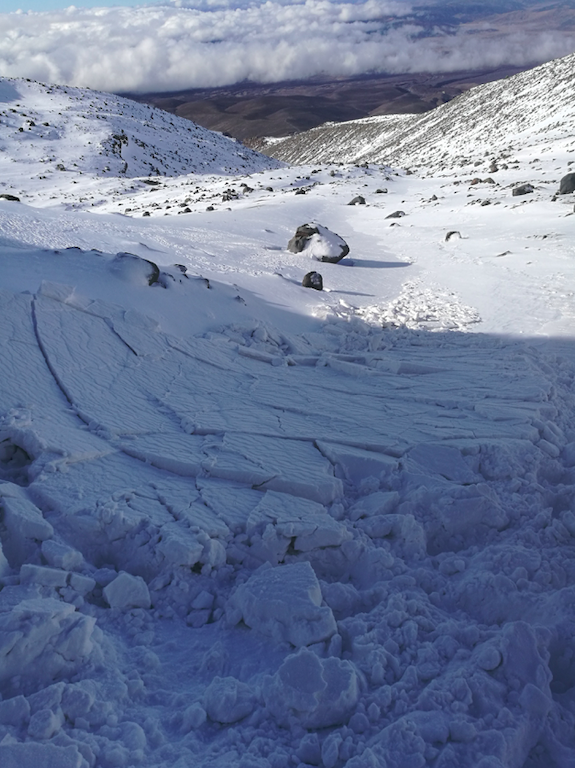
(9, 6)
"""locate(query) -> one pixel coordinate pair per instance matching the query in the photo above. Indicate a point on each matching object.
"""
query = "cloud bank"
(221, 42)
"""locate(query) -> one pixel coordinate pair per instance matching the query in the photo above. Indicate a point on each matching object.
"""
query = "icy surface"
(246, 526)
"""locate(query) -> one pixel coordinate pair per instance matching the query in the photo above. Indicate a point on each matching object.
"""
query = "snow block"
(179, 545)
(288, 466)
(32, 755)
(320, 693)
(284, 603)
(226, 700)
(38, 574)
(355, 463)
(127, 591)
(442, 460)
(25, 526)
(379, 503)
(15, 711)
(42, 639)
(280, 520)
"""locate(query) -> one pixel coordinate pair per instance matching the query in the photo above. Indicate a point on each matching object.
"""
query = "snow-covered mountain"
(530, 113)
(248, 524)
(54, 130)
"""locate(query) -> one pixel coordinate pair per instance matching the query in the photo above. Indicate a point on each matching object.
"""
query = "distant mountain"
(533, 108)
(54, 129)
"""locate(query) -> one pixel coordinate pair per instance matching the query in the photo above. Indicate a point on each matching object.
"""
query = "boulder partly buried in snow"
(284, 603)
(318, 242)
(523, 189)
(567, 184)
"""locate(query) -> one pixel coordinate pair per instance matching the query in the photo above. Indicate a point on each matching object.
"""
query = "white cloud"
(220, 42)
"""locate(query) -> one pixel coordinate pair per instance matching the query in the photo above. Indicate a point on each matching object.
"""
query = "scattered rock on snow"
(452, 234)
(313, 280)
(12, 198)
(359, 200)
(396, 215)
(523, 189)
(566, 185)
(319, 243)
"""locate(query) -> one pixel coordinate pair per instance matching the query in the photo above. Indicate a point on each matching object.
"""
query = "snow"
(245, 523)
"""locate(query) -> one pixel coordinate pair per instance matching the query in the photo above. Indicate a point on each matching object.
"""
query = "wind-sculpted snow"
(530, 111)
(364, 561)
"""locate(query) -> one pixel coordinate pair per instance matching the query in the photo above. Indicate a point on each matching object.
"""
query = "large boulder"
(523, 189)
(318, 242)
(567, 184)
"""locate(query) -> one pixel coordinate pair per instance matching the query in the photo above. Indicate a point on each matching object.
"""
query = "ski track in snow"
(247, 524)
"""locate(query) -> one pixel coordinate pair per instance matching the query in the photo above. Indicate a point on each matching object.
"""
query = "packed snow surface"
(245, 524)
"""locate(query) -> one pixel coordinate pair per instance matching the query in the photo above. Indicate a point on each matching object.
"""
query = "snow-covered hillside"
(530, 113)
(247, 524)
(59, 133)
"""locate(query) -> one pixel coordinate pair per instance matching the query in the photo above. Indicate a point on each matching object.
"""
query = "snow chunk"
(25, 526)
(283, 603)
(442, 460)
(279, 518)
(32, 755)
(355, 463)
(127, 591)
(318, 692)
(41, 639)
(226, 700)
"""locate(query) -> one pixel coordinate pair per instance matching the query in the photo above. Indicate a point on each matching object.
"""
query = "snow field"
(246, 524)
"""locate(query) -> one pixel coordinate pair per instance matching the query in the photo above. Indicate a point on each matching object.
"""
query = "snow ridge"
(60, 129)
(533, 109)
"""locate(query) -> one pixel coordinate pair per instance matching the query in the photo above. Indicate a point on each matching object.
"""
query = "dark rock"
(300, 191)
(381, 191)
(485, 202)
(133, 268)
(210, 208)
(489, 180)
(452, 233)
(493, 168)
(359, 200)
(12, 198)
(396, 215)
(146, 213)
(269, 189)
(313, 280)
(567, 184)
(523, 189)
(475, 181)
(229, 194)
(322, 244)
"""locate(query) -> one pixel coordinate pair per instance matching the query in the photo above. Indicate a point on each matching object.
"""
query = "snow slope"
(529, 112)
(248, 524)
(59, 133)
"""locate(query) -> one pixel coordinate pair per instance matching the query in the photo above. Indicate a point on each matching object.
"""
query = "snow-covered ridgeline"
(60, 129)
(531, 110)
